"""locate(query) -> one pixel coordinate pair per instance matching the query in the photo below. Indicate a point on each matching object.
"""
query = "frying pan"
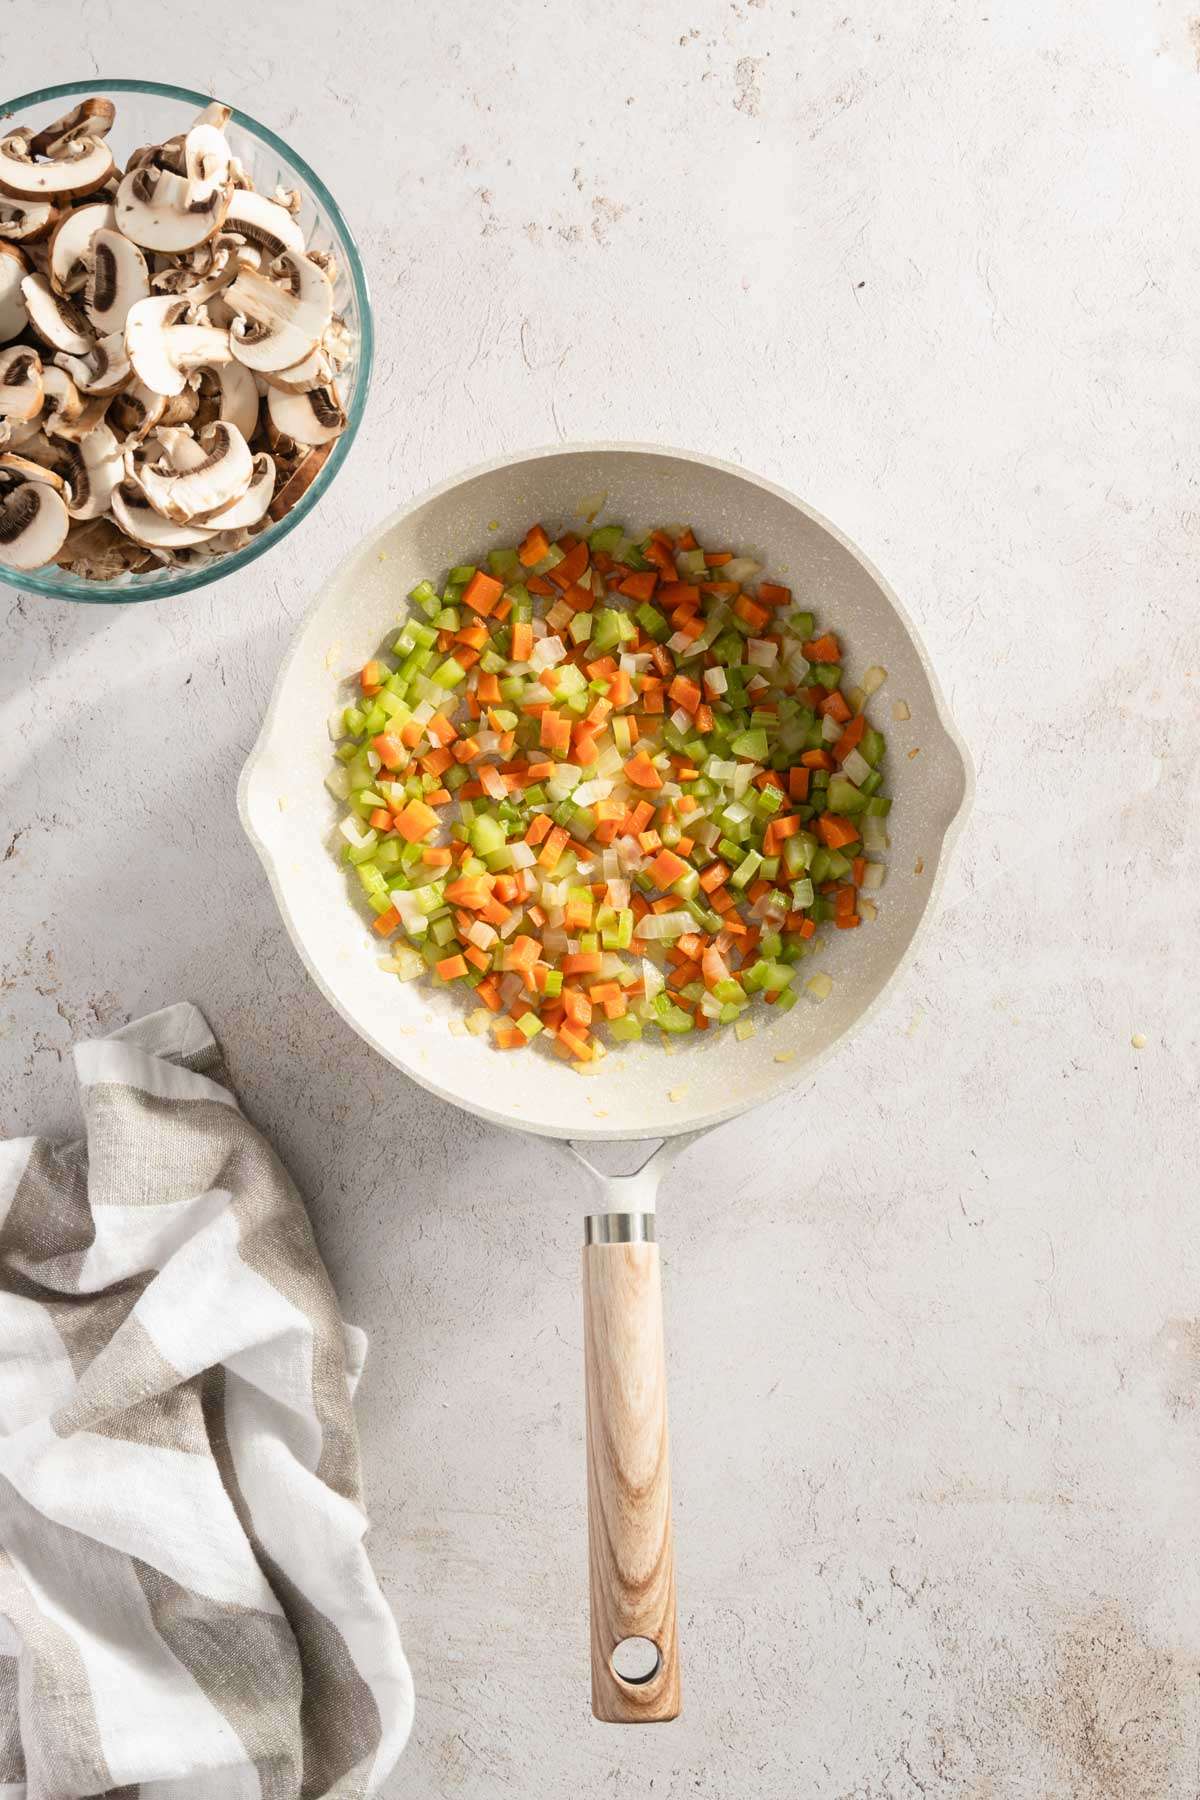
(641, 1093)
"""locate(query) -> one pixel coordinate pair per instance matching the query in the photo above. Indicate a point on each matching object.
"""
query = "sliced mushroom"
(281, 320)
(251, 506)
(135, 412)
(266, 227)
(20, 383)
(206, 162)
(14, 434)
(24, 468)
(116, 279)
(84, 164)
(216, 113)
(27, 221)
(33, 524)
(67, 413)
(70, 242)
(288, 198)
(298, 482)
(312, 417)
(92, 118)
(13, 269)
(232, 389)
(154, 208)
(96, 467)
(104, 370)
(336, 342)
(139, 520)
(55, 320)
(164, 349)
(222, 475)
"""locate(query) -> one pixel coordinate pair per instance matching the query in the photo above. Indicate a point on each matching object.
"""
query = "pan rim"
(598, 1131)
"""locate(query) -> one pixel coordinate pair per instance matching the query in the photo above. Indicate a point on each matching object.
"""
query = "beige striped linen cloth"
(187, 1611)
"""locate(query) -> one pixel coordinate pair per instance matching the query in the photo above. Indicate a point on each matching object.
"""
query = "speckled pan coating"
(290, 817)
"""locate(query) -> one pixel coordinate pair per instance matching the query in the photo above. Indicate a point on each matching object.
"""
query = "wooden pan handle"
(631, 1555)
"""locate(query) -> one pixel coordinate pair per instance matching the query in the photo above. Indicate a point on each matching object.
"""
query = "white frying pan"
(641, 1092)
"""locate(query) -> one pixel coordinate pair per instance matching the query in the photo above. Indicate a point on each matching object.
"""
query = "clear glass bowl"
(147, 113)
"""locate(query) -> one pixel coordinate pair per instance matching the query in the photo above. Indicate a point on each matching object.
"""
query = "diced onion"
(351, 829)
(831, 731)
(740, 569)
(652, 977)
(873, 875)
(481, 934)
(819, 986)
(874, 833)
(338, 782)
(856, 768)
(761, 653)
(681, 720)
(548, 652)
(874, 678)
(900, 710)
(522, 856)
(409, 963)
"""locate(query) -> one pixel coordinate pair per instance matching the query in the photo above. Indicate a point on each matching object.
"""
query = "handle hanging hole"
(636, 1660)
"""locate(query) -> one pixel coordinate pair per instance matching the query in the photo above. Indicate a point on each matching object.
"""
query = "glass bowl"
(147, 113)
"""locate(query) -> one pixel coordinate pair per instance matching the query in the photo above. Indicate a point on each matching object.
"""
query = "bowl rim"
(72, 588)
(261, 747)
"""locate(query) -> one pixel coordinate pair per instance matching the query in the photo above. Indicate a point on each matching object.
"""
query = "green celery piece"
(606, 537)
(425, 596)
(730, 992)
(746, 870)
(769, 801)
(606, 631)
(449, 619)
(676, 1021)
(873, 746)
(449, 673)
(554, 982)
(839, 865)
(801, 625)
(462, 574)
(770, 868)
(844, 797)
(879, 806)
(802, 894)
(442, 930)
(522, 602)
(626, 1030)
(652, 622)
(872, 784)
(787, 998)
(751, 744)
(829, 675)
(818, 868)
(504, 564)
(487, 835)
(529, 1025)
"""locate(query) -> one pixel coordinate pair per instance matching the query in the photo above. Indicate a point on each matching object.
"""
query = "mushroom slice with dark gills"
(227, 392)
(248, 508)
(104, 370)
(84, 164)
(313, 417)
(140, 521)
(13, 270)
(66, 412)
(27, 221)
(92, 118)
(70, 242)
(157, 210)
(267, 230)
(296, 481)
(33, 524)
(55, 320)
(116, 278)
(190, 489)
(21, 389)
(134, 412)
(282, 316)
(164, 348)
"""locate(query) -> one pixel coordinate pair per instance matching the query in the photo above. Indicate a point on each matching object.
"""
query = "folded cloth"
(186, 1607)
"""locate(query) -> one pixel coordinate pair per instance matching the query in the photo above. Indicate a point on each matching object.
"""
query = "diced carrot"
(466, 750)
(576, 1042)
(553, 847)
(771, 595)
(508, 1037)
(685, 693)
(380, 819)
(817, 759)
(389, 750)
(642, 772)
(858, 869)
(568, 571)
(850, 739)
(437, 856)
(754, 615)
(436, 762)
(371, 676)
(481, 593)
(415, 821)
(386, 923)
(451, 967)
(713, 876)
(716, 559)
(835, 832)
(538, 827)
(834, 707)
(577, 1007)
(798, 780)
(640, 585)
(533, 546)
(583, 962)
(476, 637)
(825, 649)
(666, 868)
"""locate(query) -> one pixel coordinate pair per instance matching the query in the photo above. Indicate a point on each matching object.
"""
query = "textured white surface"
(934, 1322)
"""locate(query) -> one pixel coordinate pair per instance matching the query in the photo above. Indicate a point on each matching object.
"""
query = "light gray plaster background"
(934, 1322)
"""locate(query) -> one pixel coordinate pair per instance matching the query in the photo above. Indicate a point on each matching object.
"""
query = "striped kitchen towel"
(186, 1607)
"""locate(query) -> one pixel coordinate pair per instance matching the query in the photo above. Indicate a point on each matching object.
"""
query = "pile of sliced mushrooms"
(169, 351)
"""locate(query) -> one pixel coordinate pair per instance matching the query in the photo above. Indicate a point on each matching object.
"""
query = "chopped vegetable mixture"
(610, 786)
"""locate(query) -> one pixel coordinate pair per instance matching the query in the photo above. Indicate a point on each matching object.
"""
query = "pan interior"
(640, 1090)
